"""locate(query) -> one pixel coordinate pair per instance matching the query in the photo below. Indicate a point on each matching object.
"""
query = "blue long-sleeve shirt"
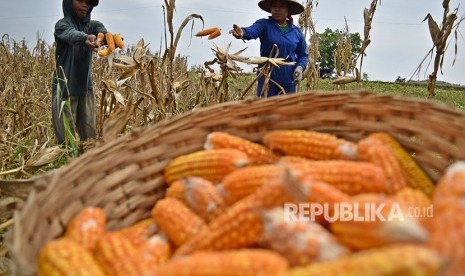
(291, 44)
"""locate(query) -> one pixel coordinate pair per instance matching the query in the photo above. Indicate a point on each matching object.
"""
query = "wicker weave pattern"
(125, 177)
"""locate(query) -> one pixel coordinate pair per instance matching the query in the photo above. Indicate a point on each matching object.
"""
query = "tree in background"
(328, 44)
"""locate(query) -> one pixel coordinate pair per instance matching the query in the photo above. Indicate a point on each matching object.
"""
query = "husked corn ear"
(110, 42)
(118, 40)
(258, 154)
(447, 228)
(374, 151)
(310, 144)
(413, 173)
(87, 227)
(377, 221)
(177, 190)
(100, 38)
(402, 259)
(212, 165)
(351, 177)
(300, 242)
(208, 31)
(140, 231)
(66, 257)
(201, 196)
(243, 182)
(234, 262)
(176, 220)
(450, 189)
(214, 35)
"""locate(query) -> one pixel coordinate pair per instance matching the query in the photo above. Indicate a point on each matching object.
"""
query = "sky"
(400, 40)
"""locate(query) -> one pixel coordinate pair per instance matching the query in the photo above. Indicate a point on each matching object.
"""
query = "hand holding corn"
(237, 32)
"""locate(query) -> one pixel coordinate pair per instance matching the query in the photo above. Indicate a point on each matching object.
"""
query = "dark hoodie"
(73, 57)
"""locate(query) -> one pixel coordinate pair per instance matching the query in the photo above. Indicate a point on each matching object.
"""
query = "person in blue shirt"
(278, 29)
(75, 38)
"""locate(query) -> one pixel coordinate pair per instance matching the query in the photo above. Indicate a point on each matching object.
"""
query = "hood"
(68, 11)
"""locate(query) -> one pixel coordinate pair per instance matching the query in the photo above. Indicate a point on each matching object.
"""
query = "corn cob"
(351, 177)
(377, 221)
(118, 40)
(258, 154)
(103, 52)
(413, 173)
(234, 262)
(403, 260)
(100, 38)
(214, 35)
(176, 220)
(87, 227)
(177, 190)
(201, 196)
(448, 237)
(310, 144)
(208, 31)
(374, 151)
(243, 182)
(291, 159)
(110, 42)
(212, 165)
(414, 203)
(451, 187)
(140, 232)
(66, 257)
(300, 242)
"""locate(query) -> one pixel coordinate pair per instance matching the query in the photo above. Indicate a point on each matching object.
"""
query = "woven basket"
(125, 177)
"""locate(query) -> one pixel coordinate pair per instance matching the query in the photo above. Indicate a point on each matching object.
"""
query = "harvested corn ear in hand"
(207, 32)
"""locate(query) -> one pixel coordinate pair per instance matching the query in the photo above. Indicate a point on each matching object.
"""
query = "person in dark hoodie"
(76, 40)
(279, 30)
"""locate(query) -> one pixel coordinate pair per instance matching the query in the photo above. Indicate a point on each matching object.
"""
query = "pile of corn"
(224, 214)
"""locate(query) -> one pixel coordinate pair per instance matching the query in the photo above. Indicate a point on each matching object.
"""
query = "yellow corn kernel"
(208, 31)
(258, 154)
(451, 188)
(118, 40)
(200, 195)
(66, 257)
(110, 42)
(177, 190)
(413, 173)
(140, 231)
(392, 260)
(300, 242)
(380, 221)
(374, 151)
(87, 227)
(176, 220)
(211, 165)
(111, 250)
(351, 177)
(243, 182)
(237, 262)
(310, 144)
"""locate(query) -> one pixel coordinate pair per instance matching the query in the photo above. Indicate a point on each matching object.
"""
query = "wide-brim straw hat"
(294, 6)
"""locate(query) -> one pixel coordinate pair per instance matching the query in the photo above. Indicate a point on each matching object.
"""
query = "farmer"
(75, 37)
(278, 29)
